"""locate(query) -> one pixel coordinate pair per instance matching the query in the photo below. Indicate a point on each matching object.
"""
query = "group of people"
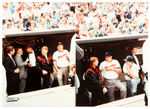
(36, 71)
(94, 19)
(104, 79)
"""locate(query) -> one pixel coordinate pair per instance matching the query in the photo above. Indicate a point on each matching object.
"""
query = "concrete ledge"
(135, 101)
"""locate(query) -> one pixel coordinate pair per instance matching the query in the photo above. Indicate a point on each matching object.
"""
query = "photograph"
(74, 54)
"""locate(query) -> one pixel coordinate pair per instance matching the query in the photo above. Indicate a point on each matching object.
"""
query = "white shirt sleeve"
(117, 63)
(101, 67)
(124, 69)
(55, 56)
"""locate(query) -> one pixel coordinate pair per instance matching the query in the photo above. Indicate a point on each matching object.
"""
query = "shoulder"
(39, 57)
(115, 61)
(102, 63)
(7, 57)
(66, 51)
(55, 53)
(16, 56)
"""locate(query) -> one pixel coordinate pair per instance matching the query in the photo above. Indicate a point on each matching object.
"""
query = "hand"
(27, 60)
(127, 66)
(104, 90)
(109, 69)
(44, 72)
(17, 70)
(132, 76)
(58, 71)
(29, 65)
(51, 75)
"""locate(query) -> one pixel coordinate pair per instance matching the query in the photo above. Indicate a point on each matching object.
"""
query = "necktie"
(13, 61)
(47, 59)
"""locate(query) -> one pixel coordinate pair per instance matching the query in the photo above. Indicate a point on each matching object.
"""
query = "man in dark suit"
(33, 80)
(12, 72)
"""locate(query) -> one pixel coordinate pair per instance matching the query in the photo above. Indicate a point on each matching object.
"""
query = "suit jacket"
(94, 79)
(43, 65)
(12, 77)
(21, 65)
(10, 67)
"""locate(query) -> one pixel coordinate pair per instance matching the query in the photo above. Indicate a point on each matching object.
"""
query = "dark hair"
(60, 43)
(9, 49)
(28, 46)
(133, 47)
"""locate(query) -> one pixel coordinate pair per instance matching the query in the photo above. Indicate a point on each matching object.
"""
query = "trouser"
(33, 79)
(22, 85)
(46, 81)
(63, 75)
(111, 84)
(132, 85)
(12, 85)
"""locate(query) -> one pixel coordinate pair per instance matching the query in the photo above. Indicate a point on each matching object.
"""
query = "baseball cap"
(129, 58)
(108, 54)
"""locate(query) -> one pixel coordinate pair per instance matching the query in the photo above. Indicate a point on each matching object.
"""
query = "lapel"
(20, 57)
(11, 60)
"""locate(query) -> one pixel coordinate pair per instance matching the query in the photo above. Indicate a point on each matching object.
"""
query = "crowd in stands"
(93, 19)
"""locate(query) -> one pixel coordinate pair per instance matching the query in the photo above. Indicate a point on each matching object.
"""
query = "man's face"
(60, 48)
(29, 50)
(13, 52)
(134, 51)
(129, 63)
(44, 52)
(20, 51)
(108, 58)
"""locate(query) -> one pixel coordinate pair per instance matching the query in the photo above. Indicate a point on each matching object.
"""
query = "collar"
(9, 55)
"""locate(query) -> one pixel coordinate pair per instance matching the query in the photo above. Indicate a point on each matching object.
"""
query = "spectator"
(88, 15)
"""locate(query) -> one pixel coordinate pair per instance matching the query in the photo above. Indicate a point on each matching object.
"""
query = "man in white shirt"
(61, 64)
(33, 79)
(110, 69)
(131, 71)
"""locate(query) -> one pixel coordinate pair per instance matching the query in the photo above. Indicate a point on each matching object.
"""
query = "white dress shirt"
(12, 59)
(137, 62)
(32, 59)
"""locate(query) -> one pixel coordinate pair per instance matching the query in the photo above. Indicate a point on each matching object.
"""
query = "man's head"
(60, 47)
(10, 50)
(108, 56)
(29, 49)
(129, 60)
(44, 50)
(19, 51)
(134, 50)
(94, 61)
